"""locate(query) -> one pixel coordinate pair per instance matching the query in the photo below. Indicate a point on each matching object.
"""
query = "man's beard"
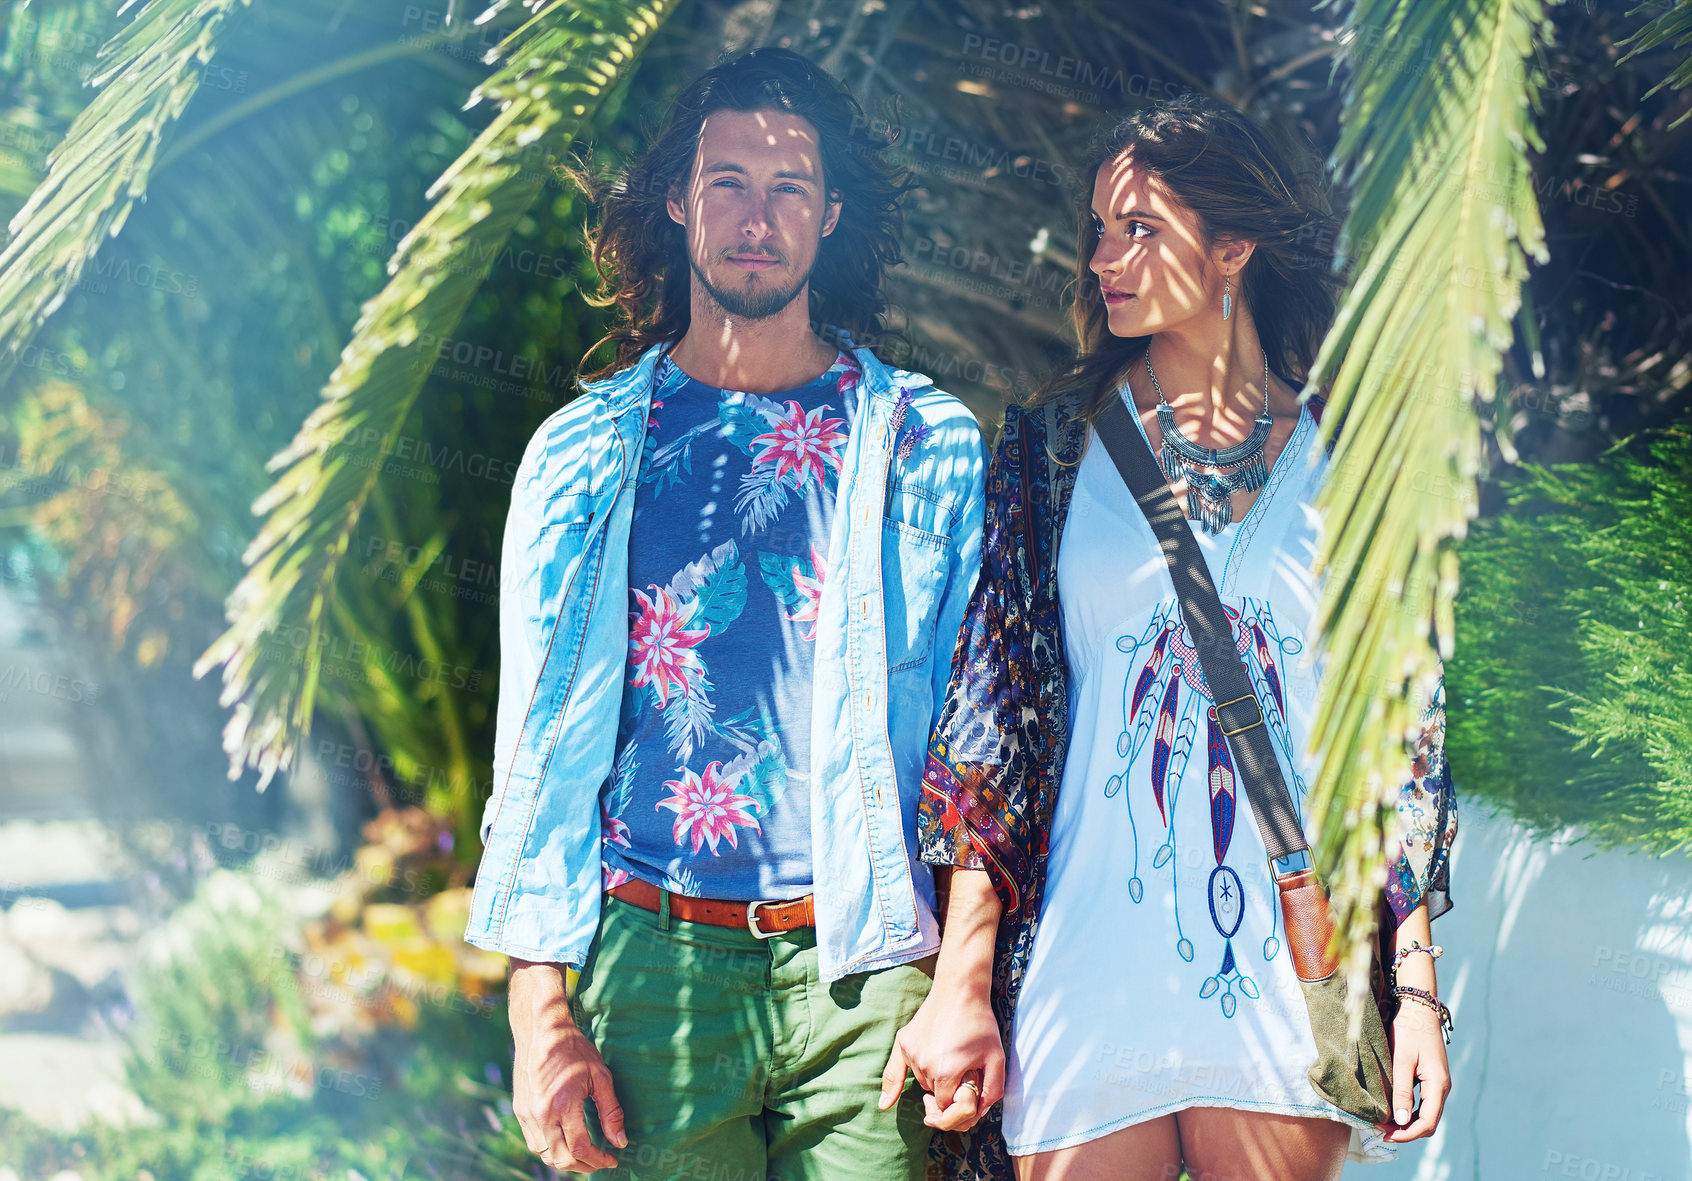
(758, 305)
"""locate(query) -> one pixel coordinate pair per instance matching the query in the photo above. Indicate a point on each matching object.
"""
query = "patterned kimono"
(998, 752)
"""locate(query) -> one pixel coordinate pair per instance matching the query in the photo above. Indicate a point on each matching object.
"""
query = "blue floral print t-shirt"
(709, 795)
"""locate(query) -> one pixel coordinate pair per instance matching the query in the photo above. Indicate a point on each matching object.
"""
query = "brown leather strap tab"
(773, 917)
(1310, 928)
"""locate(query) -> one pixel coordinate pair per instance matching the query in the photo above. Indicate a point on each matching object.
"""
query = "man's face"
(754, 210)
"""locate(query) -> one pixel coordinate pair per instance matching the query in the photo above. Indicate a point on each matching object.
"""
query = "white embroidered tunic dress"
(1160, 979)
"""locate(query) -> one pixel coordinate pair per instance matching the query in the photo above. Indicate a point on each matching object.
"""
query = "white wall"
(1569, 974)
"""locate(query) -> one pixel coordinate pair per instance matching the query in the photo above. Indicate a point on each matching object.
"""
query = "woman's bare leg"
(1225, 1144)
(1150, 1151)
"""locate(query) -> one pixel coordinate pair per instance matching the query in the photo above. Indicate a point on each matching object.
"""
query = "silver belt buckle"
(752, 919)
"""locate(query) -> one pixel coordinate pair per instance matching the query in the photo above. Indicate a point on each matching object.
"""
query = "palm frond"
(1673, 25)
(1434, 143)
(556, 68)
(150, 71)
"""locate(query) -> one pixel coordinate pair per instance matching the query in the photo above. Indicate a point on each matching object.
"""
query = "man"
(734, 570)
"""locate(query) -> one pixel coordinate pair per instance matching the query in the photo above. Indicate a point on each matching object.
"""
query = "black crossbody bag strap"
(1237, 709)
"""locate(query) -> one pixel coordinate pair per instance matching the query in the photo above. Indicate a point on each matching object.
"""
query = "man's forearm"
(971, 926)
(536, 998)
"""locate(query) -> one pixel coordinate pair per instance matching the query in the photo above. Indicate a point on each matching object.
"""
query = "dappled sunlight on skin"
(1152, 252)
(1161, 260)
(754, 210)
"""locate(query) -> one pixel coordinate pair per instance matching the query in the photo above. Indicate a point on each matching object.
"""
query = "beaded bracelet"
(1405, 953)
(1446, 1025)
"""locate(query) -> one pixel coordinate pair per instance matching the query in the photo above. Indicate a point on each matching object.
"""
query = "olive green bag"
(1352, 1075)
(1355, 1076)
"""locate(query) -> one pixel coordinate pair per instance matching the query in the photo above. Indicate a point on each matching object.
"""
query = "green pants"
(734, 1062)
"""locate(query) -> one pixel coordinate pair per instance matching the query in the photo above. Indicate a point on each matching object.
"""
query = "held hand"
(556, 1068)
(952, 1038)
(1418, 1055)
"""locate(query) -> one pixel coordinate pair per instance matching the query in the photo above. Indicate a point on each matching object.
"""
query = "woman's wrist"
(1413, 964)
(1408, 951)
(1418, 1008)
(1417, 973)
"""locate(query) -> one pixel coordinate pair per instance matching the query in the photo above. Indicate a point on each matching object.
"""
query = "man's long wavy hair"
(641, 255)
(1243, 183)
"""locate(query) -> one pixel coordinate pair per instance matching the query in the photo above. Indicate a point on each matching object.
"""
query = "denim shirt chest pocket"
(915, 540)
(567, 524)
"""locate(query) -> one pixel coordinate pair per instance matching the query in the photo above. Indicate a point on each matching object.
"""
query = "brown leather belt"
(763, 919)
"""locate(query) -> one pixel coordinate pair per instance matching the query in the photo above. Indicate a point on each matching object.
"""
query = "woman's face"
(1153, 266)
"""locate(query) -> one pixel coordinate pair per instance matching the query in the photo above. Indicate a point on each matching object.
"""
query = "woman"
(1111, 877)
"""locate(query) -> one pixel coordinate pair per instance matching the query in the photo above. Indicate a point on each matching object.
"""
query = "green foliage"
(557, 69)
(43, 52)
(1673, 26)
(148, 72)
(1571, 689)
(208, 1004)
(1435, 151)
(134, 436)
(140, 422)
(241, 1085)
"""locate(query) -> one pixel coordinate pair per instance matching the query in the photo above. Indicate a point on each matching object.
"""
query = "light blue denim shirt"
(903, 555)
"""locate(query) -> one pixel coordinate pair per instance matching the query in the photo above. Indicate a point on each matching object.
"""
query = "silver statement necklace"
(1209, 493)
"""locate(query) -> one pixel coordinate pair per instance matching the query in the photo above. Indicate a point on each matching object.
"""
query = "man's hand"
(556, 1068)
(952, 1038)
(952, 1045)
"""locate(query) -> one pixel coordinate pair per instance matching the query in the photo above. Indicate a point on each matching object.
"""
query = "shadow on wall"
(1569, 974)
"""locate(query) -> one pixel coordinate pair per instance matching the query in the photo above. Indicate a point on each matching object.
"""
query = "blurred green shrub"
(1570, 694)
